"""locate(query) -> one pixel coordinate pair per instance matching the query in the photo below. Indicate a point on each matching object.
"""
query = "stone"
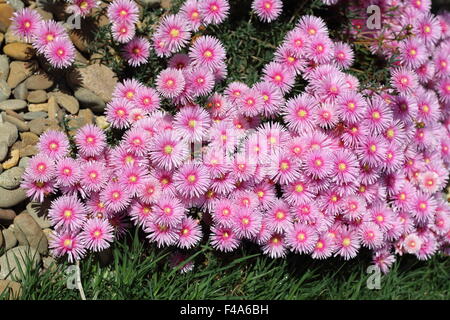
(44, 14)
(19, 51)
(90, 100)
(10, 289)
(78, 40)
(2, 37)
(66, 101)
(4, 67)
(12, 104)
(12, 161)
(15, 261)
(10, 198)
(28, 232)
(49, 263)
(39, 82)
(29, 138)
(23, 163)
(21, 91)
(39, 126)
(101, 122)
(6, 13)
(10, 179)
(38, 107)
(20, 71)
(22, 126)
(38, 96)
(3, 150)
(10, 37)
(166, 4)
(16, 4)
(87, 115)
(8, 133)
(53, 108)
(9, 239)
(97, 78)
(48, 233)
(7, 215)
(35, 115)
(39, 211)
(5, 90)
(27, 151)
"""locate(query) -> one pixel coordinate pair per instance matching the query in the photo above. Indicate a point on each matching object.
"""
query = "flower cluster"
(48, 37)
(347, 168)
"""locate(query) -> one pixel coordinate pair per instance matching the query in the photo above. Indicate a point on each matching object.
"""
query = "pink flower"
(170, 83)
(190, 10)
(118, 112)
(47, 32)
(302, 238)
(67, 213)
(267, 10)
(224, 238)
(275, 246)
(299, 113)
(214, 11)
(404, 80)
(347, 244)
(246, 223)
(53, 144)
(90, 140)
(25, 23)
(93, 176)
(190, 233)
(60, 52)
(192, 180)
(162, 234)
(201, 81)
(97, 234)
(137, 51)
(82, 7)
(168, 150)
(115, 197)
(192, 123)
(123, 11)
(343, 55)
(169, 211)
(175, 32)
(279, 76)
(207, 52)
(318, 163)
(312, 26)
(41, 168)
(320, 49)
(123, 32)
(63, 243)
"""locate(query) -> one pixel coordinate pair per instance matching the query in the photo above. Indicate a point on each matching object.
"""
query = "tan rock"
(12, 162)
(38, 107)
(19, 71)
(6, 12)
(29, 138)
(28, 232)
(10, 289)
(52, 108)
(39, 82)
(37, 96)
(19, 51)
(101, 122)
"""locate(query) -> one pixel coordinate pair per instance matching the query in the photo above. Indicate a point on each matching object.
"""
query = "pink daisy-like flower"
(372, 150)
(296, 41)
(123, 32)
(147, 99)
(302, 238)
(81, 7)
(150, 190)
(90, 140)
(118, 112)
(67, 213)
(214, 11)
(413, 52)
(318, 163)
(272, 98)
(174, 29)
(207, 52)
(93, 176)
(354, 207)
(136, 141)
(131, 179)
(192, 180)
(123, 11)
(404, 80)
(381, 215)
(423, 207)
(192, 123)
(383, 259)
(46, 32)
(246, 223)
(67, 172)
(127, 89)
(224, 238)
(428, 107)
(267, 10)
(278, 217)
(179, 61)
(443, 88)
(350, 106)
(25, 23)
(53, 144)
(299, 113)
(235, 90)
(41, 168)
(412, 243)
(169, 211)
(242, 168)
(312, 26)
(326, 116)
(140, 213)
(282, 168)
(343, 55)
(297, 192)
(250, 103)
(190, 233)
(168, 150)
(320, 49)
(345, 166)
(324, 247)
(60, 52)
(276, 74)
(137, 51)
(191, 12)
(428, 29)
(115, 197)
(224, 212)
(63, 243)
(289, 59)
(170, 83)
(97, 234)
(275, 246)
(348, 243)
(201, 81)
(162, 234)
(36, 190)
(378, 115)
(370, 235)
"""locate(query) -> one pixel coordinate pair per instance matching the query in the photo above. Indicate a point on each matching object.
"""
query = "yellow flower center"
(191, 178)
(174, 33)
(168, 149)
(346, 242)
(68, 213)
